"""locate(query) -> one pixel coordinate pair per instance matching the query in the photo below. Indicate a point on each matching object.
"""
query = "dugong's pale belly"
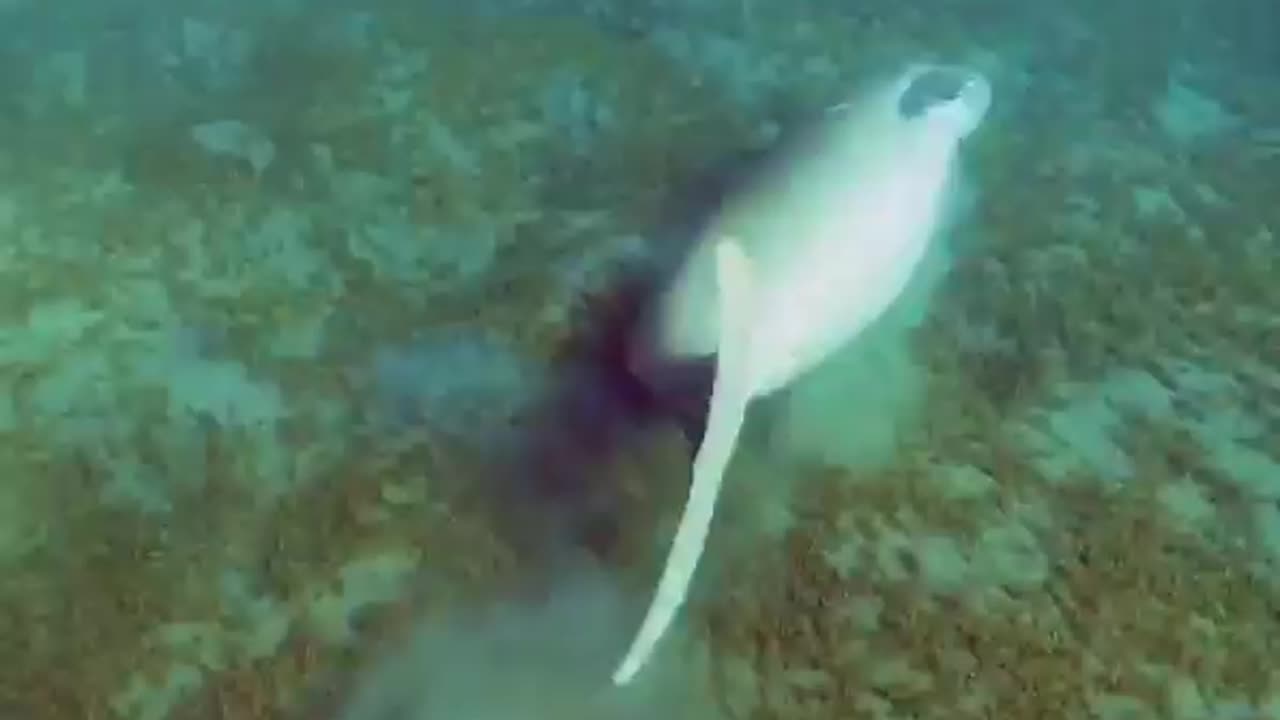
(852, 258)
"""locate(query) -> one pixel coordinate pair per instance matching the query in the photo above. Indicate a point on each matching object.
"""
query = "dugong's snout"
(953, 97)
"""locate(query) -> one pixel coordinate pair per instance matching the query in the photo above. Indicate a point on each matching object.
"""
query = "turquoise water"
(315, 398)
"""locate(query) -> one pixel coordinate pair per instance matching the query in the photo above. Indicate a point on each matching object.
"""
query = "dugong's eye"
(933, 87)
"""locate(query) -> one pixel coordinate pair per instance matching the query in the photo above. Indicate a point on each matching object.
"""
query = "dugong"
(797, 265)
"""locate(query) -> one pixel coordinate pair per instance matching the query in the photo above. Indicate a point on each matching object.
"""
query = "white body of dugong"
(799, 264)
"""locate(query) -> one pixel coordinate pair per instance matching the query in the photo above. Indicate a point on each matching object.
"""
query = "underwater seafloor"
(286, 289)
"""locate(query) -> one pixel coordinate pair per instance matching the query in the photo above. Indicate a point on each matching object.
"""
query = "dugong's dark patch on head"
(932, 87)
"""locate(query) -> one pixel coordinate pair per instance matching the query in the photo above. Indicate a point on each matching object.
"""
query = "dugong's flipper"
(729, 397)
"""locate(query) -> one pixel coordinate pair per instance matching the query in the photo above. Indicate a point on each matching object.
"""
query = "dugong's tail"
(730, 395)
